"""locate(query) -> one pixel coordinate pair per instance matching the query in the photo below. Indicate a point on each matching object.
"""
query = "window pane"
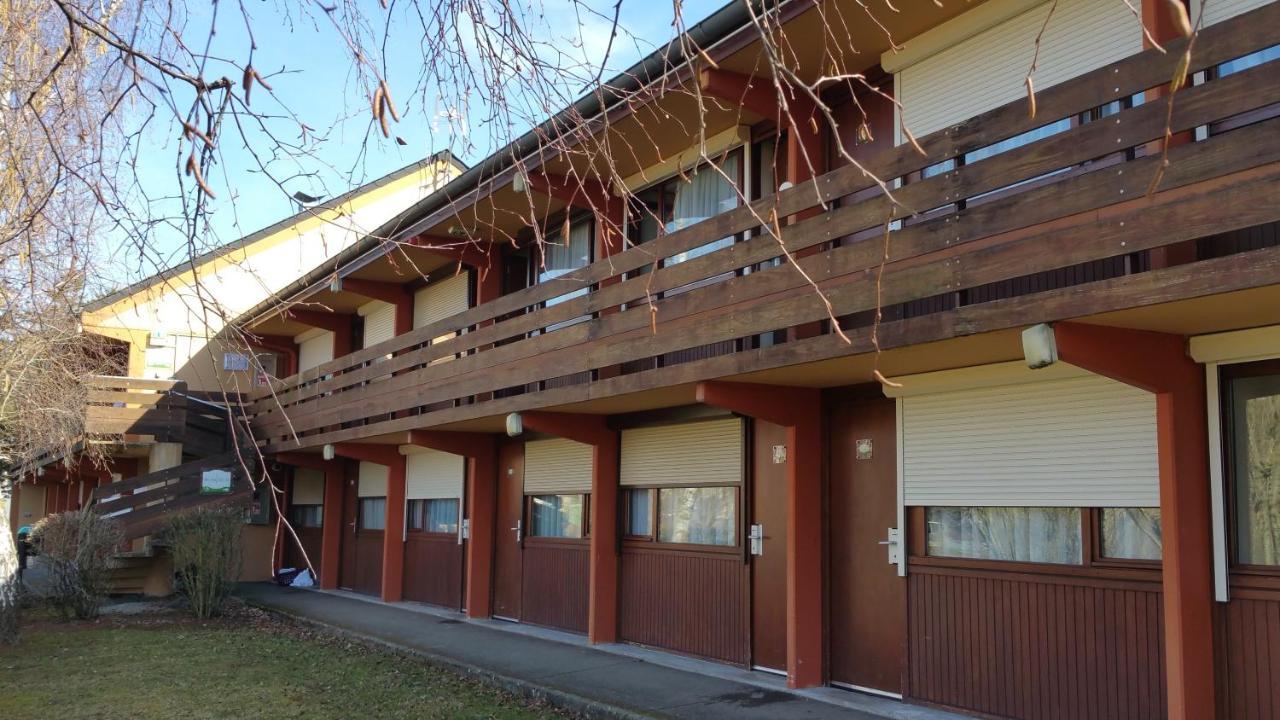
(308, 516)
(702, 516)
(1044, 535)
(373, 513)
(1255, 403)
(413, 514)
(561, 256)
(442, 515)
(708, 193)
(1131, 533)
(638, 512)
(556, 516)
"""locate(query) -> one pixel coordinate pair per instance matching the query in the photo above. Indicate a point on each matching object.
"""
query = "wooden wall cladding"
(692, 603)
(1248, 630)
(1042, 647)
(433, 570)
(556, 584)
(311, 540)
(367, 577)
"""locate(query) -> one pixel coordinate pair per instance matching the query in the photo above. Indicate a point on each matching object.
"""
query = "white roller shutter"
(683, 455)
(1218, 10)
(431, 474)
(379, 322)
(557, 466)
(373, 480)
(1081, 441)
(441, 299)
(314, 350)
(988, 69)
(308, 487)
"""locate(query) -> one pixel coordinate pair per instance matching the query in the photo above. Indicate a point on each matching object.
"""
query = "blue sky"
(311, 74)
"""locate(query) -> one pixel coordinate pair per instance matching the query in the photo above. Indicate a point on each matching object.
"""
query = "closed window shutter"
(373, 480)
(557, 466)
(308, 487)
(315, 351)
(989, 69)
(1084, 441)
(683, 455)
(1218, 10)
(441, 299)
(379, 322)
(431, 474)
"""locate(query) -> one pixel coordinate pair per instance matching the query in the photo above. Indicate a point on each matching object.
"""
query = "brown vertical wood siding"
(311, 539)
(433, 570)
(556, 578)
(1042, 647)
(692, 603)
(1248, 630)
(367, 575)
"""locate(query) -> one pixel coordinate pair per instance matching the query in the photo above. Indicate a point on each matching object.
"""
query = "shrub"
(77, 548)
(206, 555)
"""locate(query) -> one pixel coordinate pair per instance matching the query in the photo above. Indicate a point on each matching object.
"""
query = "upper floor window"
(1252, 415)
(563, 253)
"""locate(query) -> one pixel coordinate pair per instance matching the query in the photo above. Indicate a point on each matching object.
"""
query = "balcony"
(1063, 226)
(143, 411)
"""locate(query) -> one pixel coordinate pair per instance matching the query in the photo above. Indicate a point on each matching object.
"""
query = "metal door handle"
(519, 528)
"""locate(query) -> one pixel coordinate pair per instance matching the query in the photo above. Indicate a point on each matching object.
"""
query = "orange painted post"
(800, 411)
(602, 614)
(481, 451)
(393, 534)
(1158, 363)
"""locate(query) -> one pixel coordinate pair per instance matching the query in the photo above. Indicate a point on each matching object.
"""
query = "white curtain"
(707, 194)
(1255, 429)
(697, 515)
(1131, 533)
(1025, 534)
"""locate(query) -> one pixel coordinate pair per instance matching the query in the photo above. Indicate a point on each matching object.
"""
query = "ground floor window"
(639, 512)
(307, 516)
(373, 513)
(1130, 533)
(1023, 534)
(557, 516)
(698, 515)
(1253, 436)
(436, 515)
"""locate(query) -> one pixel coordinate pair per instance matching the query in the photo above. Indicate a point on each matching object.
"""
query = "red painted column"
(800, 411)
(331, 529)
(482, 510)
(1158, 363)
(393, 535)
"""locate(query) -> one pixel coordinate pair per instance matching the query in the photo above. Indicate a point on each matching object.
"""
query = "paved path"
(617, 681)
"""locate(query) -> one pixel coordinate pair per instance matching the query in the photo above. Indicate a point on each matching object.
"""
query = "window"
(708, 192)
(698, 515)
(1023, 534)
(561, 256)
(307, 516)
(639, 504)
(437, 515)
(556, 516)
(373, 513)
(1254, 437)
(1130, 533)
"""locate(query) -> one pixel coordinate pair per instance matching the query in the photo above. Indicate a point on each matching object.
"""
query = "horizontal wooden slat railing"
(135, 406)
(144, 503)
(987, 232)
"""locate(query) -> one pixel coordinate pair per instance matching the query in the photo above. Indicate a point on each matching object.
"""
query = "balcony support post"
(593, 430)
(1158, 363)
(799, 410)
(393, 527)
(481, 452)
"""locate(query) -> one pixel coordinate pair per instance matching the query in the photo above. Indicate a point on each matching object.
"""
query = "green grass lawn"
(229, 669)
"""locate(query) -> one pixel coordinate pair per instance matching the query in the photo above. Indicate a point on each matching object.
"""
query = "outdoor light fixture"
(1039, 347)
(327, 453)
(519, 183)
(515, 425)
(335, 285)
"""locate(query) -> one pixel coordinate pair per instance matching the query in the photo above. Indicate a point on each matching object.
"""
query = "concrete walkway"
(618, 681)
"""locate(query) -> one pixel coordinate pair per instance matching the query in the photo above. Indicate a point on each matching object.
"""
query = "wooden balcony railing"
(144, 503)
(1078, 196)
(136, 406)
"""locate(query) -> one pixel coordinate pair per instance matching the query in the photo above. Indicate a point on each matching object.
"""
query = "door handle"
(756, 535)
(519, 528)
(893, 543)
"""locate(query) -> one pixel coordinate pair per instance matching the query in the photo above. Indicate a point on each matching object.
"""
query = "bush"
(78, 547)
(206, 555)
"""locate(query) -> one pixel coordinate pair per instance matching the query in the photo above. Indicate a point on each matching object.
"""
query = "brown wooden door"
(868, 604)
(508, 556)
(350, 506)
(769, 568)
